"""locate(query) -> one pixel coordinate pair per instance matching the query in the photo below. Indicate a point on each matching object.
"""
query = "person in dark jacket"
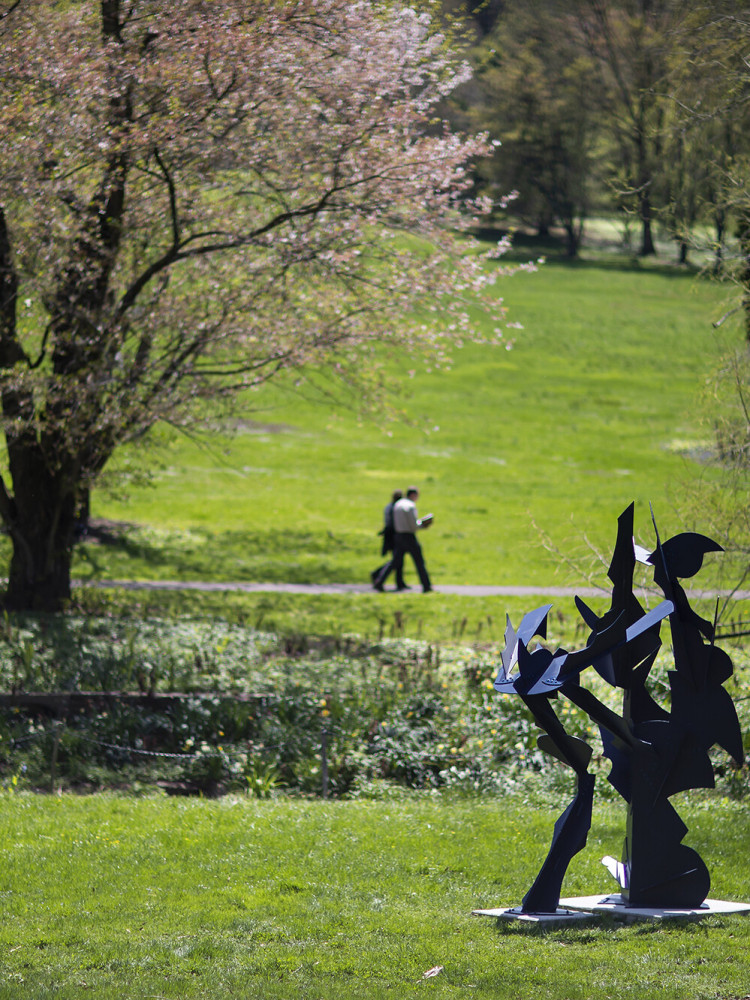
(379, 575)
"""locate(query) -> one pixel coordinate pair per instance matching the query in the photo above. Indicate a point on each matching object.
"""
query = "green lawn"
(597, 404)
(113, 898)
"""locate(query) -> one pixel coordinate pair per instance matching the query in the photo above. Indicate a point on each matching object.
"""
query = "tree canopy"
(534, 93)
(636, 106)
(195, 196)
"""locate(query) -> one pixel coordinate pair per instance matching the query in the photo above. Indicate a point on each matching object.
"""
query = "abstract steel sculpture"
(654, 752)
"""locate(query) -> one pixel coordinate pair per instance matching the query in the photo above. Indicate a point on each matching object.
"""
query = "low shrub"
(259, 714)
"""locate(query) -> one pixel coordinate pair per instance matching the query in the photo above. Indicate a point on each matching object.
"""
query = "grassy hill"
(597, 404)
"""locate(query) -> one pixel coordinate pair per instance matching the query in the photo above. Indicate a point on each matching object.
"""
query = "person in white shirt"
(406, 524)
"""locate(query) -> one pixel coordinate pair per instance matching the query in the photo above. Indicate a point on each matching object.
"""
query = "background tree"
(195, 197)
(630, 43)
(683, 184)
(710, 92)
(708, 100)
(535, 95)
(478, 16)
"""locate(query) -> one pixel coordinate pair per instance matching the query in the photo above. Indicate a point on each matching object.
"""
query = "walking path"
(362, 588)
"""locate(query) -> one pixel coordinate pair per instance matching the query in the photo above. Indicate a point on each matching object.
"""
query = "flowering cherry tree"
(195, 196)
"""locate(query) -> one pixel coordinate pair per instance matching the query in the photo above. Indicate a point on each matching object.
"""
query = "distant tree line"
(633, 106)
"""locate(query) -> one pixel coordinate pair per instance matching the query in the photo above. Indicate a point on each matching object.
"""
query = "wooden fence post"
(324, 761)
(55, 748)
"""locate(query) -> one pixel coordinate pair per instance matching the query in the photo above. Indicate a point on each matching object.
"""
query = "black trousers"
(380, 575)
(403, 542)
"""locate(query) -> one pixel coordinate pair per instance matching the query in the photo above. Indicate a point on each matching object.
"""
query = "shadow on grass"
(270, 555)
(527, 247)
(604, 926)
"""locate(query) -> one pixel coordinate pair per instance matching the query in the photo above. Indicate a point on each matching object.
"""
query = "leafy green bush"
(261, 714)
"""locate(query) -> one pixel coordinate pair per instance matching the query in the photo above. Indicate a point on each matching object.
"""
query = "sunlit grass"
(111, 898)
(439, 617)
(596, 405)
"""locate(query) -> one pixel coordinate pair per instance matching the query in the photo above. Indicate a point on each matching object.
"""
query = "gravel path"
(362, 588)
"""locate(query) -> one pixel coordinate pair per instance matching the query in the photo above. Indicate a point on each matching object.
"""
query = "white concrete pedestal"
(585, 909)
(617, 906)
(564, 915)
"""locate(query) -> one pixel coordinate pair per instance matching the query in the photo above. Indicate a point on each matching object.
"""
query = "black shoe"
(426, 590)
(378, 586)
(404, 586)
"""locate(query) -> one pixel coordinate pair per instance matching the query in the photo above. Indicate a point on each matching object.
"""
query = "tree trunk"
(743, 234)
(82, 512)
(647, 238)
(645, 208)
(572, 239)
(41, 531)
(719, 225)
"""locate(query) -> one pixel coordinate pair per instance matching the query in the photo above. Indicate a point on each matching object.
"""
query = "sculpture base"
(615, 905)
(563, 915)
(585, 909)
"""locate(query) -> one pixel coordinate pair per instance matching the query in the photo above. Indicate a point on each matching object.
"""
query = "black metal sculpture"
(654, 752)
